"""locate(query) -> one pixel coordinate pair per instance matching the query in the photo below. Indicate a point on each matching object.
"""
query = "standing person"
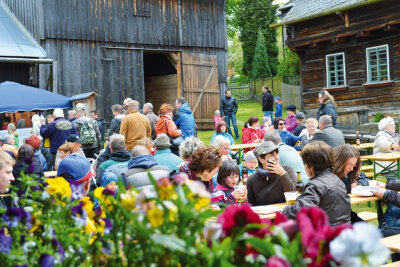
(6, 176)
(134, 126)
(278, 107)
(35, 125)
(166, 125)
(89, 133)
(267, 102)
(327, 106)
(184, 118)
(153, 118)
(290, 120)
(228, 108)
(71, 115)
(118, 112)
(100, 124)
(57, 131)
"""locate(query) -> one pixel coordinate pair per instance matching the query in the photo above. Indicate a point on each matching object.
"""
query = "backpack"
(88, 134)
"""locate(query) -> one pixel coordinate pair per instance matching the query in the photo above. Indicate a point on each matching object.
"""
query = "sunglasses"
(282, 123)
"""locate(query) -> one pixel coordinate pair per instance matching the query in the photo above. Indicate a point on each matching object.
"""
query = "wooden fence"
(241, 92)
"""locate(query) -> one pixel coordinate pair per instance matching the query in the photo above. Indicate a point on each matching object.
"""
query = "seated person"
(250, 162)
(267, 185)
(267, 125)
(309, 131)
(9, 147)
(287, 138)
(110, 181)
(288, 155)
(327, 133)
(290, 120)
(324, 189)
(222, 130)
(35, 141)
(228, 177)
(251, 132)
(300, 118)
(64, 151)
(223, 146)
(77, 148)
(163, 154)
(26, 164)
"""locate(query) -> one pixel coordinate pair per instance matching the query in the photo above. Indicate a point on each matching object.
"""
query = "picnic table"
(240, 149)
(364, 146)
(394, 157)
(392, 242)
(50, 174)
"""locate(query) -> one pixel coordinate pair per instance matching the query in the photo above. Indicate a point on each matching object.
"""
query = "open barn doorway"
(161, 80)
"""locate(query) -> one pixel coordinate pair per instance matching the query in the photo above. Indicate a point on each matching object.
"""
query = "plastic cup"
(290, 197)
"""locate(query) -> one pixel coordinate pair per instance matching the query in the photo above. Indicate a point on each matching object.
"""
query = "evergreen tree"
(290, 63)
(251, 16)
(261, 69)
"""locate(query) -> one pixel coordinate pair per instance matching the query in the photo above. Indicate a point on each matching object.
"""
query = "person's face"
(70, 116)
(94, 116)
(256, 124)
(350, 164)
(232, 180)
(50, 119)
(320, 99)
(251, 165)
(311, 128)
(224, 150)
(223, 129)
(321, 125)
(207, 176)
(177, 104)
(77, 145)
(309, 171)
(290, 113)
(264, 90)
(11, 141)
(269, 157)
(276, 100)
(391, 127)
(6, 177)
(281, 125)
(64, 154)
(228, 94)
(112, 186)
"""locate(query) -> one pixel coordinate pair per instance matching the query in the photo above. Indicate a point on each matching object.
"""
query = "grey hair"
(117, 142)
(134, 104)
(325, 119)
(72, 112)
(220, 141)
(148, 105)
(273, 136)
(384, 123)
(58, 113)
(189, 146)
(181, 100)
(80, 111)
(139, 151)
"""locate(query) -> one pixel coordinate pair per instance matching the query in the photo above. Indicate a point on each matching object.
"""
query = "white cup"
(290, 197)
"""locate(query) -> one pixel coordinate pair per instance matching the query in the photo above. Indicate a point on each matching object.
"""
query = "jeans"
(269, 114)
(228, 118)
(392, 216)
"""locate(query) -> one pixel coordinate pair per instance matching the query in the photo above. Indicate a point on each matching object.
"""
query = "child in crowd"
(110, 181)
(278, 108)
(250, 162)
(218, 118)
(267, 125)
(228, 177)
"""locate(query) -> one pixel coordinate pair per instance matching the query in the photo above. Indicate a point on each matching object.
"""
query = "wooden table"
(392, 242)
(241, 147)
(51, 174)
(394, 157)
(364, 146)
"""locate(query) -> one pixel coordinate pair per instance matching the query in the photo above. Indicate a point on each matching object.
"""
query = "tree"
(261, 69)
(253, 15)
(231, 20)
(290, 63)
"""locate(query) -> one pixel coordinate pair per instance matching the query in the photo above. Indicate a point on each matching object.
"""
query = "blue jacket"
(145, 162)
(289, 139)
(226, 135)
(40, 158)
(57, 132)
(278, 110)
(184, 120)
(165, 157)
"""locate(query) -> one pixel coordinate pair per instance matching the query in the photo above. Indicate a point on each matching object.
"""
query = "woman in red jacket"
(251, 132)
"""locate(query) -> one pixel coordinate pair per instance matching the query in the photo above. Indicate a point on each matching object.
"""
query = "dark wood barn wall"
(325, 30)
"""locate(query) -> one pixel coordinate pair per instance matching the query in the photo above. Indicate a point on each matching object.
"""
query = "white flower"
(212, 231)
(198, 189)
(359, 246)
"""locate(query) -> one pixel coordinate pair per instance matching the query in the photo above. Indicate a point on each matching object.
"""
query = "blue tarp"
(16, 97)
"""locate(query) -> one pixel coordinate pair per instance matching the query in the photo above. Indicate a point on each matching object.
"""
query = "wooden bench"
(51, 174)
(393, 264)
(368, 216)
(367, 168)
(369, 174)
(392, 242)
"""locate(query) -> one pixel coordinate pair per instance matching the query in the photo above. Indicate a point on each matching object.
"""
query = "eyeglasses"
(282, 123)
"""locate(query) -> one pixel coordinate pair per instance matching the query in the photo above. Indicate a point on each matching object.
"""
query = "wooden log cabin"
(350, 48)
(149, 50)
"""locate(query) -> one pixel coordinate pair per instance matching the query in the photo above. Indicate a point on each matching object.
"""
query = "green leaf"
(263, 246)
(170, 242)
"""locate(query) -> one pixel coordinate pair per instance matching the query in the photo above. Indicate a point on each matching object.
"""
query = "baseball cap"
(72, 138)
(291, 107)
(265, 148)
(300, 116)
(76, 166)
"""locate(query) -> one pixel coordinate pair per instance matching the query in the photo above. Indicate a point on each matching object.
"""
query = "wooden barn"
(149, 50)
(350, 48)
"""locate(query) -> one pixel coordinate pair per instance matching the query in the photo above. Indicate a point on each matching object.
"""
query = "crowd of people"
(165, 144)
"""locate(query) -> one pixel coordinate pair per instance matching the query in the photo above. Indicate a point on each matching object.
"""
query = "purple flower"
(98, 211)
(76, 190)
(108, 226)
(5, 242)
(276, 261)
(36, 188)
(79, 214)
(15, 215)
(46, 260)
(108, 192)
(58, 246)
(180, 178)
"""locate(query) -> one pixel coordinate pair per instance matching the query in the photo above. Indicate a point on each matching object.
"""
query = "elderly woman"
(309, 131)
(272, 179)
(223, 146)
(324, 189)
(9, 147)
(222, 130)
(189, 146)
(386, 141)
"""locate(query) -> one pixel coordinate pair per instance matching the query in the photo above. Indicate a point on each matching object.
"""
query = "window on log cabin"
(335, 70)
(378, 64)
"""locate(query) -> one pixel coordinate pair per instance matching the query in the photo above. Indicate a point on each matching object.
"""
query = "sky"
(280, 1)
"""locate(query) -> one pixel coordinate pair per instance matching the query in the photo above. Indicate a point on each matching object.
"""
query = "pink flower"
(235, 217)
(276, 261)
(180, 178)
(163, 182)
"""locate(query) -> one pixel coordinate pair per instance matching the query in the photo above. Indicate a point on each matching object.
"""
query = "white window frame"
(344, 70)
(369, 81)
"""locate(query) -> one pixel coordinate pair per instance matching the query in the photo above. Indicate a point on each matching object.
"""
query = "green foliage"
(290, 63)
(253, 15)
(235, 55)
(231, 21)
(260, 68)
(378, 116)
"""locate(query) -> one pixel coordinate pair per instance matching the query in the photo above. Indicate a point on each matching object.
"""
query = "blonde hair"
(220, 141)
(146, 142)
(164, 109)
(5, 159)
(12, 129)
(67, 147)
(311, 121)
(327, 97)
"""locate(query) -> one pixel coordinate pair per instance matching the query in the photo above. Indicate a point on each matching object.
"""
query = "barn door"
(200, 82)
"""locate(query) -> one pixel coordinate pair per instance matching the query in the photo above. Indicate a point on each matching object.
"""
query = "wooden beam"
(389, 28)
(340, 40)
(179, 74)
(364, 34)
(204, 87)
(297, 49)
(315, 44)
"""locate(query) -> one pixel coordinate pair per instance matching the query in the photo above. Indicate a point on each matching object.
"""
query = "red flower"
(276, 261)
(235, 217)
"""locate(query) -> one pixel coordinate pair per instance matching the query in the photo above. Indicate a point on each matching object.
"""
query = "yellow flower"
(173, 210)
(105, 200)
(156, 216)
(128, 199)
(90, 226)
(201, 203)
(58, 187)
(36, 223)
(88, 207)
(167, 192)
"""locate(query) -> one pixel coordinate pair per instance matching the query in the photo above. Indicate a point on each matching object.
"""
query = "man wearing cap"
(6, 176)
(76, 168)
(290, 120)
(301, 123)
(73, 138)
(57, 131)
(118, 162)
(272, 179)
(267, 102)
(163, 155)
(134, 126)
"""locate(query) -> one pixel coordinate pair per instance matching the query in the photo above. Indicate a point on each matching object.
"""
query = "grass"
(245, 111)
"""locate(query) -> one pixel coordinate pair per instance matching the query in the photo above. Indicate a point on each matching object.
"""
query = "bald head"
(139, 151)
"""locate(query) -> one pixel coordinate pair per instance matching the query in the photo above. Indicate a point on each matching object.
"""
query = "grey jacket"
(153, 118)
(78, 123)
(139, 178)
(329, 135)
(329, 193)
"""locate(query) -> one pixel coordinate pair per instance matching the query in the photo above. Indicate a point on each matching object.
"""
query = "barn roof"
(310, 9)
(15, 40)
